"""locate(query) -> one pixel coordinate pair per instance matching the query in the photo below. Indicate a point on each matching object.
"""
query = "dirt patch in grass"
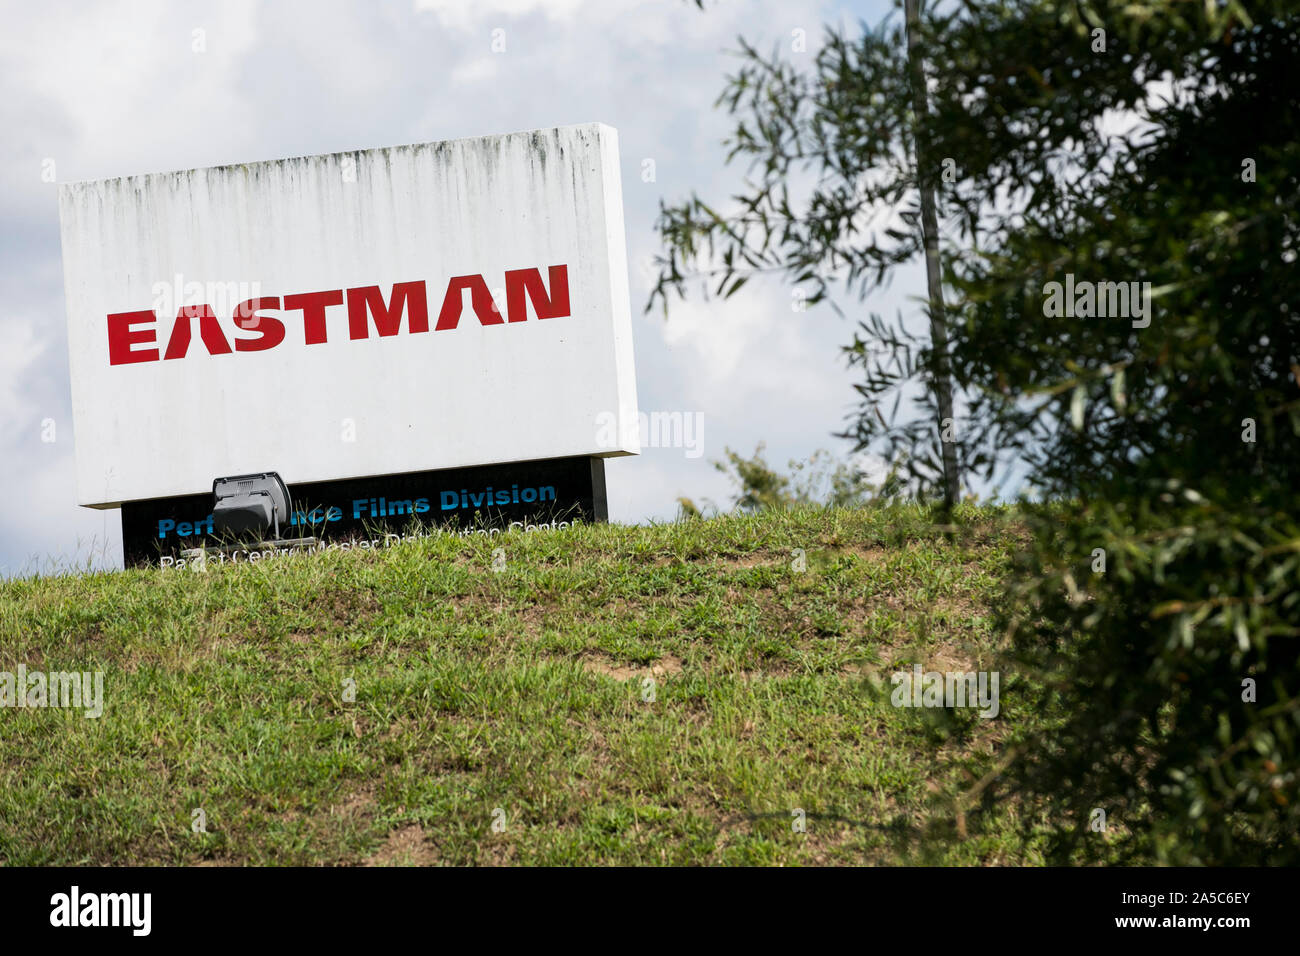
(498, 852)
(342, 607)
(666, 666)
(357, 804)
(755, 560)
(405, 846)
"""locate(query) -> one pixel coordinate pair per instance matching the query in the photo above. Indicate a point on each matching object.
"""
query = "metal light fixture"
(246, 505)
(245, 508)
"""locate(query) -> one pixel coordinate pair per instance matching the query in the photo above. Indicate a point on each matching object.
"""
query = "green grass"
(519, 696)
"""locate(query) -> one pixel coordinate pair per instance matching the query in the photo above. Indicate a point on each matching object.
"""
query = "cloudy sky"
(90, 91)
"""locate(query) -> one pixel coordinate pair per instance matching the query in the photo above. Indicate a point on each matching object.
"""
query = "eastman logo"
(133, 336)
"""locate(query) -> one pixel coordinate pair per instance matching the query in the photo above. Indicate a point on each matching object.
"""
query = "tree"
(819, 480)
(791, 123)
(925, 170)
(1118, 215)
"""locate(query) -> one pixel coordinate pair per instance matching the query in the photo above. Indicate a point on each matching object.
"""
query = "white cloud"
(464, 15)
(20, 348)
(475, 71)
(735, 352)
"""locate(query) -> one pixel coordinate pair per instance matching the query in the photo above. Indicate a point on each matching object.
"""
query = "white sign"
(367, 313)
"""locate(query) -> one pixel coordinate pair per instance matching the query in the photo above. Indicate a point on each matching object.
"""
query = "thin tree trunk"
(934, 276)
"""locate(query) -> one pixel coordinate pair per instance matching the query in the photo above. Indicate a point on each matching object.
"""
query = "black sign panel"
(551, 492)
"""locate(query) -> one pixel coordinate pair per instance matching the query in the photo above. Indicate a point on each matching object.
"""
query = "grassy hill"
(668, 694)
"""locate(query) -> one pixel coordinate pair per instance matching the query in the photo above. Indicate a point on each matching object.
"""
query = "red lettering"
(271, 330)
(313, 305)
(480, 297)
(553, 306)
(388, 318)
(209, 331)
(121, 338)
(366, 304)
(179, 343)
